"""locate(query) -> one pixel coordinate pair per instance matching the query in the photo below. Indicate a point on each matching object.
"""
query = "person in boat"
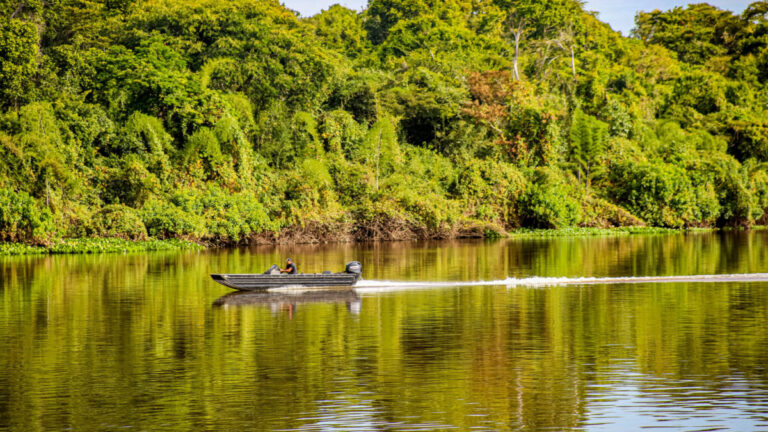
(290, 267)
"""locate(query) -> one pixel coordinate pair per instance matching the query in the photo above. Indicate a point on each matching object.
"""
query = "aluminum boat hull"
(256, 282)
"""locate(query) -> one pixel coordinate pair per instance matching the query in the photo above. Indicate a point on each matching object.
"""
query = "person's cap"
(289, 260)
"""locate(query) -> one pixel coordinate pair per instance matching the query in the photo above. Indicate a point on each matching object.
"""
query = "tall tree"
(696, 33)
(588, 140)
(18, 61)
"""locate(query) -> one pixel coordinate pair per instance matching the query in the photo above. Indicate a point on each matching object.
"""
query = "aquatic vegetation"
(98, 245)
(590, 232)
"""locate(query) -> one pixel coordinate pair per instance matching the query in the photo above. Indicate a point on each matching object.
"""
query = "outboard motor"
(274, 270)
(354, 267)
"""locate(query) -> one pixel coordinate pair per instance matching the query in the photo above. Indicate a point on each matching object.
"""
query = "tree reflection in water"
(101, 342)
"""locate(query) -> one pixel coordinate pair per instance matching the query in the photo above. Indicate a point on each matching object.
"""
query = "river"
(439, 336)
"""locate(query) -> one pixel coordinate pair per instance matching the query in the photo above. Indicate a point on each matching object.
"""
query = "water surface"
(149, 342)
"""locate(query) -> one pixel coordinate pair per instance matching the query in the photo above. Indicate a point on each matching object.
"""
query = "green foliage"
(343, 136)
(309, 193)
(696, 33)
(357, 96)
(119, 221)
(544, 15)
(490, 190)
(382, 15)
(702, 91)
(23, 219)
(341, 29)
(145, 135)
(129, 183)
(228, 121)
(723, 42)
(380, 149)
(164, 220)
(235, 146)
(306, 143)
(354, 183)
(739, 194)
(660, 193)
(226, 216)
(41, 157)
(428, 102)
(548, 202)
(18, 60)
(748, 132)
(202, 153)
(588, 140)
(427, 209)
(618, 119)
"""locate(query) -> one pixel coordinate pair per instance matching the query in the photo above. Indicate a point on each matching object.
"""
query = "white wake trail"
(383, 285)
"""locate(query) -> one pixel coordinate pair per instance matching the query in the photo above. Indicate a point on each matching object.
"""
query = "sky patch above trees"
(619, 14)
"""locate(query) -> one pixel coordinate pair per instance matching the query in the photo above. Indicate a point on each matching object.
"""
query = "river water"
(461, 335)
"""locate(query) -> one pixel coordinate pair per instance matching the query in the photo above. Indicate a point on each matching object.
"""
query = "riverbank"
(310, 235)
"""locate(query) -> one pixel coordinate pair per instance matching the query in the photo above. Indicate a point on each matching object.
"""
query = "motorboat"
(272, 278)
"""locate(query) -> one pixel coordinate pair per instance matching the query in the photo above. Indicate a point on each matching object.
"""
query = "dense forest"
(240, 121)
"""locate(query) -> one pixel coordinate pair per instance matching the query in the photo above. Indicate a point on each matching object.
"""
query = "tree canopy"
(238, 120)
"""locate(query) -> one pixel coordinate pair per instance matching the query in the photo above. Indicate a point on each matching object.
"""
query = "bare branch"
(18, 9)
(518, 29)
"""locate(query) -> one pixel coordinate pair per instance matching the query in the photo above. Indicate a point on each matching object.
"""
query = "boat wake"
(381, 285)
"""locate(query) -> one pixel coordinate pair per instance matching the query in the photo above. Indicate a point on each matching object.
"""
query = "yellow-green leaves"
(18, 61)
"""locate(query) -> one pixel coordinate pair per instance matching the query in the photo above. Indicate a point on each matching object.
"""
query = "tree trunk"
(517, 27)
(586, 179)
(515, 72)
(18, 9)
(378, 156)
(573, 63)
